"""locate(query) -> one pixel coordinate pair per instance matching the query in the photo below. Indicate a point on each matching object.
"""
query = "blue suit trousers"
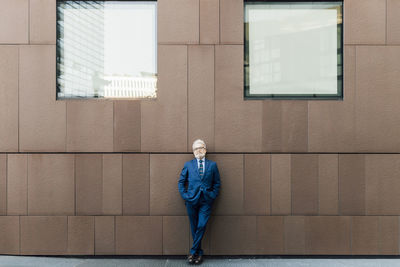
(199, 214)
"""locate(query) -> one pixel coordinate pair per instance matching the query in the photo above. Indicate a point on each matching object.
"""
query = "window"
(106, 49)
(293, 50)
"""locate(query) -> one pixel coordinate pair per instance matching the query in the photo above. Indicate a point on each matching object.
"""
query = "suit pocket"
(185, 196)
(209, 198)
(209, 193)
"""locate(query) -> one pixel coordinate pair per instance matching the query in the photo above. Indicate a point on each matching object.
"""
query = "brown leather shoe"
(191, 258)
(199, 259)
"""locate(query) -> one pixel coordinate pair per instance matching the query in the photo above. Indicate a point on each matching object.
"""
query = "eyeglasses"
(199, 148)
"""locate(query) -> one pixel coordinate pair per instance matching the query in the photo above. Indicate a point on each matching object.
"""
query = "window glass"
(293, 49)
(106, 49)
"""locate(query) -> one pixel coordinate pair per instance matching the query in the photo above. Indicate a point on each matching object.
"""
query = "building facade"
(298, 177)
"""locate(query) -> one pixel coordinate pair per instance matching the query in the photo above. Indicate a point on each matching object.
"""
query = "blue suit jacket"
(209, 184)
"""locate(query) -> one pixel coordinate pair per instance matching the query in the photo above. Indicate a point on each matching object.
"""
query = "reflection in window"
(106, 49)
(293, 49)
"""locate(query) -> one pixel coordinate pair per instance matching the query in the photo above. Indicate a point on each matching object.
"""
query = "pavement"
(147, 261)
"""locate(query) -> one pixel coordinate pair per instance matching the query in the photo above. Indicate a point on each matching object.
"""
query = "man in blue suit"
(203, 182)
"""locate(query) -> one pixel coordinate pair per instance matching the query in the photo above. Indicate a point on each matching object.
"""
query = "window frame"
(59, 58)
(340, 84)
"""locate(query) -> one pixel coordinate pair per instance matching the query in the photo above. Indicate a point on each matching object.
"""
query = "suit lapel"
(195, 166)
(207, 165)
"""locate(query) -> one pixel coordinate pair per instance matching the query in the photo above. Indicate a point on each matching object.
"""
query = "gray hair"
(199, 141)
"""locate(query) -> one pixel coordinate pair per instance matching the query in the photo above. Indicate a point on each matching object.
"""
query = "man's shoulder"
(195, 160)
(211, 162)
(208, 160)
(189, 161)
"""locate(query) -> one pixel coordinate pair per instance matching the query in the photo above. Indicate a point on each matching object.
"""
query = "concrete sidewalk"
(42, 261)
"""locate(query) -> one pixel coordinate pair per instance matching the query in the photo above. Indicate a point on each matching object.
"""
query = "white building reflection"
(130, 87)
(106, 49)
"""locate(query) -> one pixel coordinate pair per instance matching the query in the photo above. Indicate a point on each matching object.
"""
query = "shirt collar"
(204, 160)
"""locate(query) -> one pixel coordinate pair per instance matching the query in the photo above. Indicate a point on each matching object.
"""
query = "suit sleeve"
(216, 181)
(182, 180)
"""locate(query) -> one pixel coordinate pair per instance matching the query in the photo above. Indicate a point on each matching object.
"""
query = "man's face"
(199, 151)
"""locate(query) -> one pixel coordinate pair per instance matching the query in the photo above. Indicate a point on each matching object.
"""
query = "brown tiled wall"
(268, 204)
(297, 177)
